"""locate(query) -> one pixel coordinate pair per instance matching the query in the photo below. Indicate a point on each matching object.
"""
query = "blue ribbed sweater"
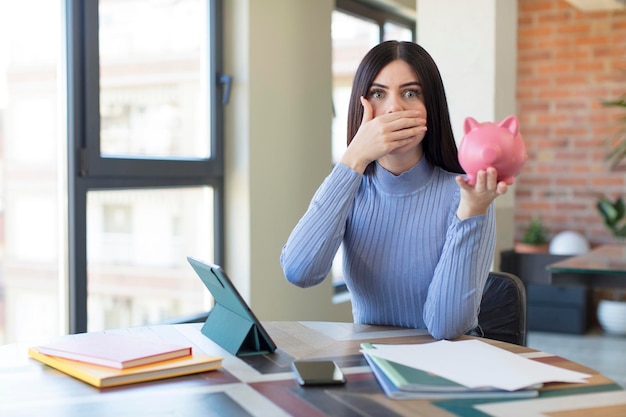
(408, 260)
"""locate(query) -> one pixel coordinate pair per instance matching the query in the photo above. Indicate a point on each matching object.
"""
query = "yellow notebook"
(102, 376)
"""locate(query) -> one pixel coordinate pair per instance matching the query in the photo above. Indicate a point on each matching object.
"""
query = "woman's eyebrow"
(410, 83)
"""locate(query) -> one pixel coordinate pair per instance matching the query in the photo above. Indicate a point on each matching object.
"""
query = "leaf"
(621, 102)
(608, 212)
(619, 207)
(613, 214)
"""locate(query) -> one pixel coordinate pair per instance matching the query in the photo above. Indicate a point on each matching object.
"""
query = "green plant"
(613, 214)
(617, 152)
(535, 234)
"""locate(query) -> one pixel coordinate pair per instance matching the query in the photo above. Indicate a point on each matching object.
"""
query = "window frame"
(87, 170)
(366, 10)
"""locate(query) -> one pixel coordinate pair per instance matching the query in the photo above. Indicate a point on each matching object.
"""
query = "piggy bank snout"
(490, 154)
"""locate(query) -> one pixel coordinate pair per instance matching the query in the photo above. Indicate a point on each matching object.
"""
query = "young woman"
(418, 240)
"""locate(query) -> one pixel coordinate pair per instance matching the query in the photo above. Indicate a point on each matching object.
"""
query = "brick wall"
(568, 62)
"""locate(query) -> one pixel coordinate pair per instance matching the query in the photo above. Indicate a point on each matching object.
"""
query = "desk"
(264, 385)
(602, 267)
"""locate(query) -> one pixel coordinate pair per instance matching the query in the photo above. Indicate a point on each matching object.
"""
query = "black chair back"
(502, 313)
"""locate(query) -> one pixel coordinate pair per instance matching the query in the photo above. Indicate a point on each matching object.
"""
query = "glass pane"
(137, 244)
(153, 78)
(352, 37)
(32, 145)
(137, 247)
(393, 31)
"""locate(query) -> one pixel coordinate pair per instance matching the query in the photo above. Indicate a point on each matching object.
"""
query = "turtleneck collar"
(409, 181)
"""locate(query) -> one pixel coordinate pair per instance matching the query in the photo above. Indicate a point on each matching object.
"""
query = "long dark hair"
(438, 143)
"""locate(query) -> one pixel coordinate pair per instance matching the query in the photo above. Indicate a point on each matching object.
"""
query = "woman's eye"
(412, 93)
(377, 94)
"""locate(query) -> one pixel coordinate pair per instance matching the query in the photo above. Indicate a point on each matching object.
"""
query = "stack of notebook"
(111, 359)
(403, 382)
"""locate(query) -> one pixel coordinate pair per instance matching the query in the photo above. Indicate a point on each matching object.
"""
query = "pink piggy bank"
(492, 145)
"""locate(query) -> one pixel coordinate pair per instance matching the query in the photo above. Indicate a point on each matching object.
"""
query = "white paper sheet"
(603, 403)
(476, 364)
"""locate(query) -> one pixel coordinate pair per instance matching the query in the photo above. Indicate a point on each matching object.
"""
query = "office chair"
(502, 313)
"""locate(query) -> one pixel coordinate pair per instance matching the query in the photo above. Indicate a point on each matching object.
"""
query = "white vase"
(612, 316)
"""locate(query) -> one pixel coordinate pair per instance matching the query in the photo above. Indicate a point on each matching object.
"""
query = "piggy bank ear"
(470, 124)
(511, 124)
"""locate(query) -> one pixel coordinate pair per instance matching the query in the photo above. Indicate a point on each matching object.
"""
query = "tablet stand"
(238, 335)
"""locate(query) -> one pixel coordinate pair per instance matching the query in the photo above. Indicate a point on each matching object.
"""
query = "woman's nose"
(394, 104)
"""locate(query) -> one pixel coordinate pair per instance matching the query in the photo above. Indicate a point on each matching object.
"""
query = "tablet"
(231, 323)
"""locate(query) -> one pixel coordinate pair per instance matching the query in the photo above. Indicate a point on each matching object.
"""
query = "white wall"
(278, 146)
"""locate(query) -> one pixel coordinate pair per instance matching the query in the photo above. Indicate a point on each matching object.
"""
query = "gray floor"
(600, 351)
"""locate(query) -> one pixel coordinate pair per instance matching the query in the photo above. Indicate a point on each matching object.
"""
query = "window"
(153, 83)
(148, 159)
(356, 28)
(110, 161)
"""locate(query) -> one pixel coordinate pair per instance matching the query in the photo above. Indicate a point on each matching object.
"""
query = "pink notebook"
(114, 350)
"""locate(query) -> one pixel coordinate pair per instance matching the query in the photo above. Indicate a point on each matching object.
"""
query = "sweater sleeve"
(455, 293)
(307, 256)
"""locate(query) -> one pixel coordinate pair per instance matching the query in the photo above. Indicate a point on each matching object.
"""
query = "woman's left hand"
(475, 199)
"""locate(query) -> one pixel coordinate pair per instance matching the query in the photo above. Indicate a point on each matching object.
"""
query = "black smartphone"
(323, 372)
